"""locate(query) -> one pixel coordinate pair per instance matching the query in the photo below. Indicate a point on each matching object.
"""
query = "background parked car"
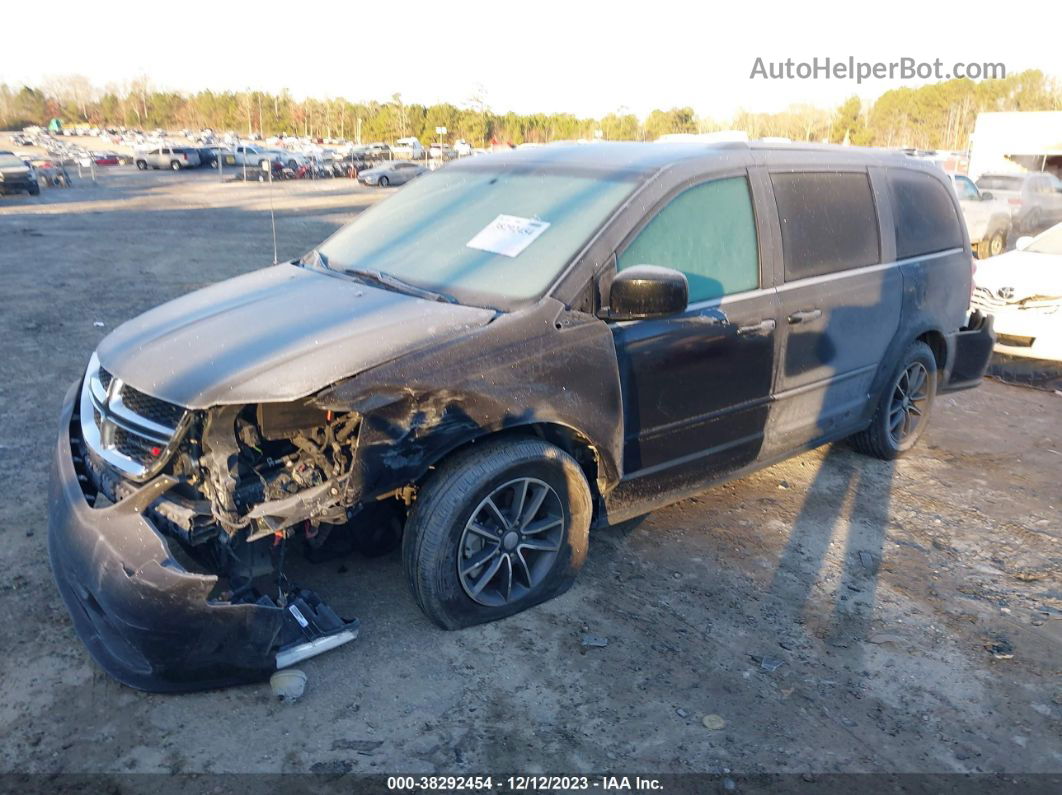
(408, 147)
(442, 152)
(1023, 290)
(208, 155)
(17, 176)
(987, 218)
(1035, 199)
(397, 172)
(172, 157)
(245, 155)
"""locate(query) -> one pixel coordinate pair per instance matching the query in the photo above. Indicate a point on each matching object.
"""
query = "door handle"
(761, 328)
(805, 316)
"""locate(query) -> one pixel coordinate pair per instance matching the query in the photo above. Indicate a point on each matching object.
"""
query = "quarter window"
(709, 233)
(829, 222)
(926, 220)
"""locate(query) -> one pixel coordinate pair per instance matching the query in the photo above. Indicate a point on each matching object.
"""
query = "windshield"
(1049, 242)
(485, 236)
(999, 182)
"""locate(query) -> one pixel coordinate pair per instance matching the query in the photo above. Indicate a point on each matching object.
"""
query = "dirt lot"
(914, 608)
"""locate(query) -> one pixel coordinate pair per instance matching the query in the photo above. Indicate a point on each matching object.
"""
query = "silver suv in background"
(1035, 199)
(987, 218)
(172, 157)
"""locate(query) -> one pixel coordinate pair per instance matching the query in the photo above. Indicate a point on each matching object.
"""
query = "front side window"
(709, 233)
(966, 189)
(486, 236)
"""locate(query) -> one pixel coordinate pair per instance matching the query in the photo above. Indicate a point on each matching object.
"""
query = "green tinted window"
(708, 232)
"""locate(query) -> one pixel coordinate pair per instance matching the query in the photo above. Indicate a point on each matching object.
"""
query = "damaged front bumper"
(146, 620)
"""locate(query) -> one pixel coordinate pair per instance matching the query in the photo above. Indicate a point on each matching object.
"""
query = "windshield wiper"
(391, 282)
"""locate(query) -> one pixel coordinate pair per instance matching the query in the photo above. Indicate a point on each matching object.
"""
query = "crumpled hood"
(1026, 272)
(276, 334)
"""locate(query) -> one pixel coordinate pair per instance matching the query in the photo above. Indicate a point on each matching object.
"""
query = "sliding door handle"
(757, 329)
(805, 316)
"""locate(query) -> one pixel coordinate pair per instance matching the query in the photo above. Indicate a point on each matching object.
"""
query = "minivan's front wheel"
(903, 408)
(500, 527)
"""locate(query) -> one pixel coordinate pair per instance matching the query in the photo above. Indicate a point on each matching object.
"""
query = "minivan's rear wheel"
(498, 528)
(903, 408)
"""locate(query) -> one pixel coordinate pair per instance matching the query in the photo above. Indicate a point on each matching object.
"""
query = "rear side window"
(828, 220)
(926, 220)
(709, 233)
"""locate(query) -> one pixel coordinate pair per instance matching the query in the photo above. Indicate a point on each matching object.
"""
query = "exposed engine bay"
(251, 478)
(242, 486)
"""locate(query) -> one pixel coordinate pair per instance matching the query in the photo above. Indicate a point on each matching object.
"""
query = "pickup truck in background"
(1035, 199)
(245, 155)
(987, 218)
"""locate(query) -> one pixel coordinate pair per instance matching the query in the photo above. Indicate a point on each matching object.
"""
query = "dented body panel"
(273, 335)
(544, 366)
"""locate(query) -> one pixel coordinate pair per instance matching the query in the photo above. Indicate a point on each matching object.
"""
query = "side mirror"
(1023, 242)
(647, 291)
(986, 196)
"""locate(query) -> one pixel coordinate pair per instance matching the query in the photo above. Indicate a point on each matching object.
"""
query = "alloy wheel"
(910, 397)
(510, 542)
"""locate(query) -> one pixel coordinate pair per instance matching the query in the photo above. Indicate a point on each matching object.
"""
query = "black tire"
(142, 165)
(383, 182)
(882, 439)
(175, 165)
(34, 189)
(437, 535)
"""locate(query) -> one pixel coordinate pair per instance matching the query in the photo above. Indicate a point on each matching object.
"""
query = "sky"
(587, 58)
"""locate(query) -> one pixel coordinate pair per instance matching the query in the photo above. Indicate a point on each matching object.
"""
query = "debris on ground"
(682, 713)
(1000, 648)
(869, 561)
(288, 684)
(360, 746)
(884, 637)
(768, 664)
(714, 722)
(594, 641)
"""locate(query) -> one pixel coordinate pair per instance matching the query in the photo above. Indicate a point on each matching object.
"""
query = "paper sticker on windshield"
(508, 235)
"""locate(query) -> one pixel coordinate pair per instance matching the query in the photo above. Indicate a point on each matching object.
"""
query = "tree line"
(934, 116)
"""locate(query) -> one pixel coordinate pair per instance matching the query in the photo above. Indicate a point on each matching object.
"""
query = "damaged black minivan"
(502, 355)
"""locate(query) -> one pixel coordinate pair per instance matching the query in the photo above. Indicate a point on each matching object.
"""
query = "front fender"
(543, 365)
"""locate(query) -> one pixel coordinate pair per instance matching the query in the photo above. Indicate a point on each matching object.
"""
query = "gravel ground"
(830, 614)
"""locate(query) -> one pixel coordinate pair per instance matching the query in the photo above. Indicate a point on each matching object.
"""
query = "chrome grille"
(151, 408)
(132, 431)
(985, 300)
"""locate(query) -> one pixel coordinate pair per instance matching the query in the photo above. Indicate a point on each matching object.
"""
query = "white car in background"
(1023, 290)
(987, 218)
